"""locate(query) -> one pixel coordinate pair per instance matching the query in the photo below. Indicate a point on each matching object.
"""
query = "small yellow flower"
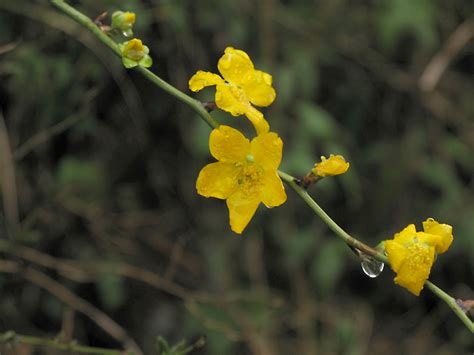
(135, 53)
(334, 165)
(123, 21)
(411, 254)
(241, 87)
(244, 175)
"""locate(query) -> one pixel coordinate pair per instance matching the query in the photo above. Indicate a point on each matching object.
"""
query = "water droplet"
(371, 267)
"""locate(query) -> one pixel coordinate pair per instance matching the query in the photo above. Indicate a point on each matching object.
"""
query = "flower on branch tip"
(240, 87)
(123, 21)
(244, 175)
(334, 165)
(411, 254)
(135, 53)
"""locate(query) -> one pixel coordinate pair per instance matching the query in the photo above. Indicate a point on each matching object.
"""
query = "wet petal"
(241, 207)
(217, 180)
(235, 66)
(228, 144)
(203, 79)
(445, 231)
(273, 193)
(415, 268)
(231, 99)
(396, 254)
(259, 89)
(266, 150)
(406, 235)
(334, 165)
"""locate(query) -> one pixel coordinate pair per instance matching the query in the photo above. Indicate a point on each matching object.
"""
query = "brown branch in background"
(438, 64)
(8, 47)
(67, 325)
(78, 272)
(44, 136)
(72, 300)
(47, 134)
(8, 181)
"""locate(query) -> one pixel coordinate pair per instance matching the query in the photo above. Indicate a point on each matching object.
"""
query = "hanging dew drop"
(371, 267)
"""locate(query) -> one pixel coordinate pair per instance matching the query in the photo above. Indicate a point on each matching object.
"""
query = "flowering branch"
(201, 110)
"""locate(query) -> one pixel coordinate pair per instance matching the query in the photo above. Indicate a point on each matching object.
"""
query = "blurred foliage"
(116, 184)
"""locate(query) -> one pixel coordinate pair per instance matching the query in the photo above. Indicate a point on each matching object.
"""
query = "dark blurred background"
(99, 168)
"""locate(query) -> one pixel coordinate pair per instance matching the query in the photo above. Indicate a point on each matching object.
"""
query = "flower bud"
(123, 21)
(334, 165)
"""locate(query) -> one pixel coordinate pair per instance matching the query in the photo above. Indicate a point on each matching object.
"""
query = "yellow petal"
(266, 150)
(429, 239)
(334, 165)
(445, 231)
(406, 235)
(217, 180)
(235, 66)
(415, 268)
(259, 89)
(395, 253)
(241, 207)
(257, 119)
(203, 79)
(231, 99)
(273, 193)
(228, 144)
(134, 49)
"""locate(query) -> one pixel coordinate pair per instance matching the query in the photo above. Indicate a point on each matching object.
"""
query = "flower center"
(250, 178)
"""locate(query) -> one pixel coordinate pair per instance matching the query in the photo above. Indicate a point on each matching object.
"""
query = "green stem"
(201, 111)
(89, 24)
(291, 181)
(451, 302)
(12, 337)
(188, 100)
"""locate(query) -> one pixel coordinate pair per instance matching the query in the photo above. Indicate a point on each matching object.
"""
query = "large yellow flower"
(411, 254)
(244, 175)
(240, 87)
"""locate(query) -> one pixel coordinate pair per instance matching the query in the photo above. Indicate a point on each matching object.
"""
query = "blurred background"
(104, 239)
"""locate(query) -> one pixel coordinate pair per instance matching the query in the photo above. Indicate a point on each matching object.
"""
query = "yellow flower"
(135, 53)
(411, 254)
(244, 175)
(334, 165)
(123, 21)
(241, 87)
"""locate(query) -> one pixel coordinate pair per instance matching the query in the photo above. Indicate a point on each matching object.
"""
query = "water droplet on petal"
(371, 267)
(225, 63)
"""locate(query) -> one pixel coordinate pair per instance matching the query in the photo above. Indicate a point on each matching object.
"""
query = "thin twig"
(438, 64)
(72, 300)
(12, 337)
(8, 181)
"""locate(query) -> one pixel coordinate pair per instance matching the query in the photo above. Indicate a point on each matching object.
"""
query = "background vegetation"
(99, 166)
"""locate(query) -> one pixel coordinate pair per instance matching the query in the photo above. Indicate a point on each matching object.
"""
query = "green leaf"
(316, 121)
(128, 63)
(111, 290)
(400, 16)
(328, 266)
(146, 61)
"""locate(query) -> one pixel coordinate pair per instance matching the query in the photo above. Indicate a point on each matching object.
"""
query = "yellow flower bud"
(334, 165)
(135, 53)
(123, 21)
